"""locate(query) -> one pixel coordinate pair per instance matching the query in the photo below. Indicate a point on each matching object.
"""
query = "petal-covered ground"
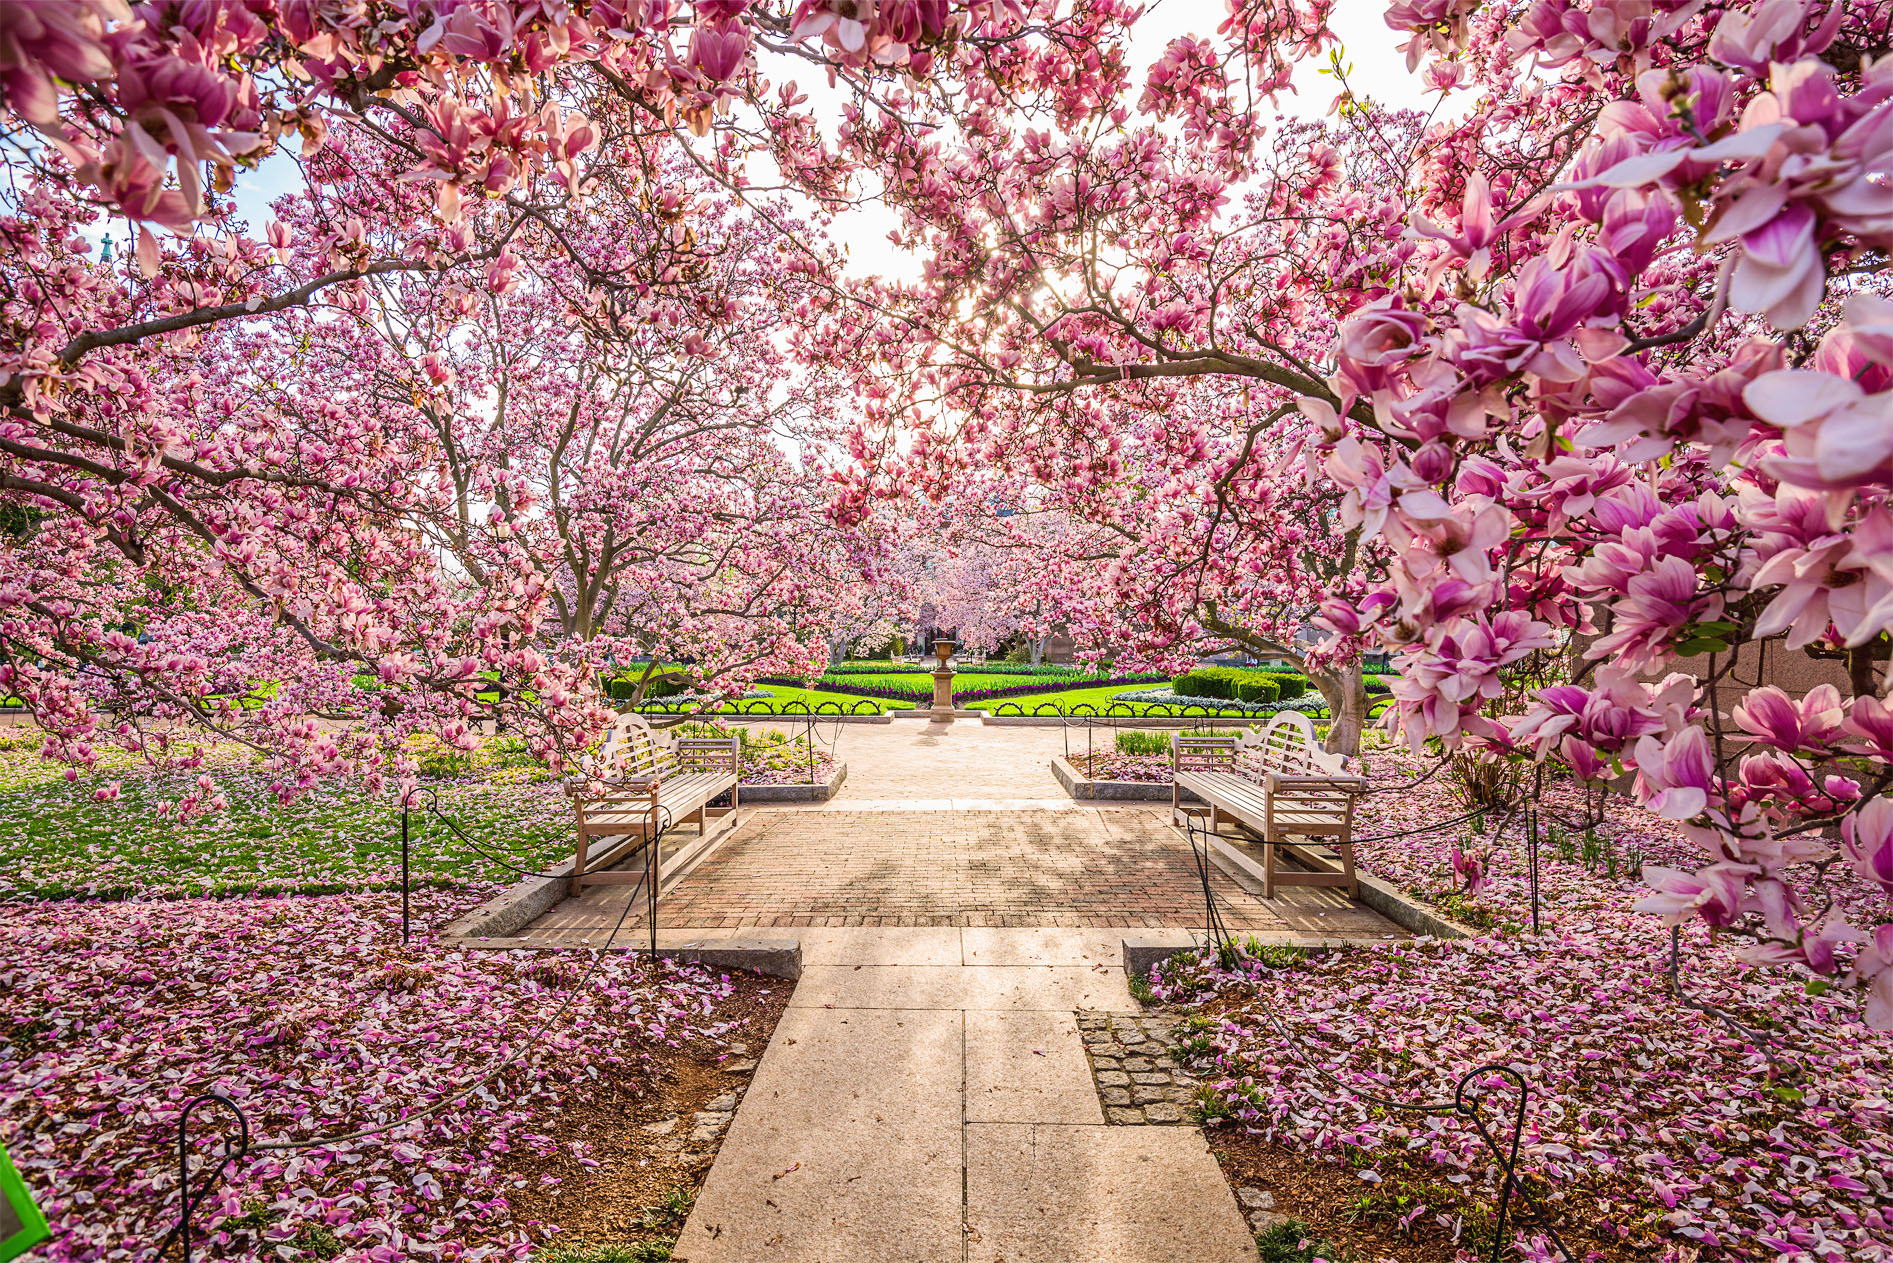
(309, 1013)
(473, 819)
(1656, 1129)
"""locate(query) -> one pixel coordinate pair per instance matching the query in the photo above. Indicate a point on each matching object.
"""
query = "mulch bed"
(619, 1175)
(1328, 1198)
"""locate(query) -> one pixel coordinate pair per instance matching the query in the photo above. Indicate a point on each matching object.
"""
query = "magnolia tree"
(647, 459)
(179, 538)
(1204, 531)
(1602, 370)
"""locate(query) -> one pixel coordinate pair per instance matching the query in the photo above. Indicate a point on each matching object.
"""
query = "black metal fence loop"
(233, 1151)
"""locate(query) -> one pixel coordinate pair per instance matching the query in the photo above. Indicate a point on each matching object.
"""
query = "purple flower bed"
(311, 1015)
(920, 693)
(1661, 1129)
(795, 772)
(1024, 690)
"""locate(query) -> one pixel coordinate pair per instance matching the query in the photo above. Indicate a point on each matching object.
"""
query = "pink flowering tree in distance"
(646, 454)
(289, 536)
(1601, 369)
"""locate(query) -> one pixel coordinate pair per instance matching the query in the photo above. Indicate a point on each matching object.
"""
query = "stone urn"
(943, 682)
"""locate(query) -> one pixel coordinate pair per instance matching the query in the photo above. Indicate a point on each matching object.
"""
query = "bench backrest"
(632, 751)
(1288, 747)
(1202, 752)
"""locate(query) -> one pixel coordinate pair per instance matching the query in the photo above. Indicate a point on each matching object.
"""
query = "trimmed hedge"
(1290, 684)
(1259, 690)
(1227, 683)
(624, 688)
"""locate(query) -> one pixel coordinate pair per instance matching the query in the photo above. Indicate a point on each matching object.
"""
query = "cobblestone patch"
(1138, 1080)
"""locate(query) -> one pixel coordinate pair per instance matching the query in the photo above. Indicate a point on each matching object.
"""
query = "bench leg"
(578, 864)
(1346, 852)
(1268, 870)
(736, 804)
(1215, 824)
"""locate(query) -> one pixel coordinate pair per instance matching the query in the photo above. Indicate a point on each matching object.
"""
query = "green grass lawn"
(60, 841)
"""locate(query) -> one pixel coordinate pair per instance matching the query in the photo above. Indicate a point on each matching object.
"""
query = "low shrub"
(625, 687)
(1145, 743)
(1289, 684)
(1264, 689)
(1226, 683)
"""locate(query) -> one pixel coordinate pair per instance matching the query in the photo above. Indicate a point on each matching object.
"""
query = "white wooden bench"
(641, 782)
(1277, 785)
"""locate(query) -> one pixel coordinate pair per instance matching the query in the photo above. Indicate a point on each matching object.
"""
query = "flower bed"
(310, 1014)
(111, 836)
(918, 686)
(1308, 704)
(1049, 669)
(767, 757)
(1659, 1129)
(1149, 769)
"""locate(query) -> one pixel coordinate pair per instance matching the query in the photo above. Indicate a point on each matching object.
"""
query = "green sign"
(21, 1225)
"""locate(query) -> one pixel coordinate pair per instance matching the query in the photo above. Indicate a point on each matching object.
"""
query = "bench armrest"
(1280, 780)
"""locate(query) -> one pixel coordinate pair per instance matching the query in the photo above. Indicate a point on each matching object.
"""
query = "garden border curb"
(797, 793)
(1106, 791)
(500, 918)
(1143, 951)
(759, 953)
(760, 718)
(1115, 721)
(1382, 896)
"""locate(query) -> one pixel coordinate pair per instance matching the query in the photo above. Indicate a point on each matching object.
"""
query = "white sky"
(1378, 69)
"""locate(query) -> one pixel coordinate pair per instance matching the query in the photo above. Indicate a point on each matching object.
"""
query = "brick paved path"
(958, 825)
(914, 761)
(1076, 867)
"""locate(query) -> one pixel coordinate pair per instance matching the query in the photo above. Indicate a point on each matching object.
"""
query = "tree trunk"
(1038, 649)
(1345, 691)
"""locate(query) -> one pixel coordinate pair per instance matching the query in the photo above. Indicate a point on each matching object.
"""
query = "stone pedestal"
(943, 682)
(943, 694)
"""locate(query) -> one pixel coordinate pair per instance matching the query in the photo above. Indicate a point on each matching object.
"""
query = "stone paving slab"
(986, 988)
(1039, 1193)
(1027, 1067)
(948, 1113)
(848, 1146)
(988, 945)
(938, 945)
